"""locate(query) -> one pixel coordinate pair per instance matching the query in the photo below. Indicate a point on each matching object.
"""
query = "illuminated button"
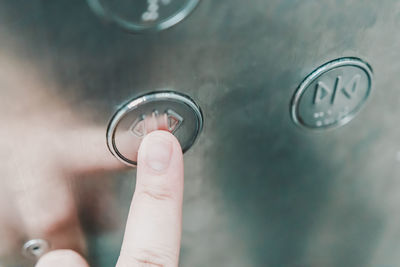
(168, 111)
(143, 15)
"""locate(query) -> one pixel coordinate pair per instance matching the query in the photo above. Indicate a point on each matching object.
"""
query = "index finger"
(153, 230)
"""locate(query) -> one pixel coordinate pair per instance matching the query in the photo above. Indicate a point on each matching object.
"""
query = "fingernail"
(158, 153)
(61, 258)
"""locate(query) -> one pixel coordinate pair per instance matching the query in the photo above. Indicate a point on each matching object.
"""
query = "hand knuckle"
(156, 193)
(148, 258)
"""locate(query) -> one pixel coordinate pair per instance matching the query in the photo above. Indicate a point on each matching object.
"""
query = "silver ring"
(35, 248)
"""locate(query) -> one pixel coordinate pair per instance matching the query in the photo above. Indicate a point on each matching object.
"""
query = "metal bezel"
(340, 62)
(166, 23)
(136, 102)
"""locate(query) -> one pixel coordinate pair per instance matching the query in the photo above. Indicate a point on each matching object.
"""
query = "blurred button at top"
(143, 15)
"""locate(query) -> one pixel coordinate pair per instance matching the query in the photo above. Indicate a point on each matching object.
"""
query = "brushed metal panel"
(259, 191)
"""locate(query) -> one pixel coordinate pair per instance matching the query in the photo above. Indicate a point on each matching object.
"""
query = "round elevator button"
(143, 15)
(332, 95)
(169, 111)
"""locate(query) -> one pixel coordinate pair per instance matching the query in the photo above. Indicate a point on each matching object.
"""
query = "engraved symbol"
(174, 120)
(350, 89)
(138, 127)
(152, 14)
(322, 91)
(170, 121)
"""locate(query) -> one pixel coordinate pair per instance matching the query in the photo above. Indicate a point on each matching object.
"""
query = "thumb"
(62, 258)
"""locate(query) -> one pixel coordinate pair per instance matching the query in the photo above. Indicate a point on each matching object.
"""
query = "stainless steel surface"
(259, 191)
(143, 15)
(333, 94)
(166, 110)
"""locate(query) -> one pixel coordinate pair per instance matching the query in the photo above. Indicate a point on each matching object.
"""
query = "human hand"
(46, 150)
(153, 230)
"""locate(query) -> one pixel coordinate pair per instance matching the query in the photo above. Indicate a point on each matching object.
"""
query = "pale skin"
(153, 229)
(37, 193)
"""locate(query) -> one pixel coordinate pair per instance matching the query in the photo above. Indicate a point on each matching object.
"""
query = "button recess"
(169, 111)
